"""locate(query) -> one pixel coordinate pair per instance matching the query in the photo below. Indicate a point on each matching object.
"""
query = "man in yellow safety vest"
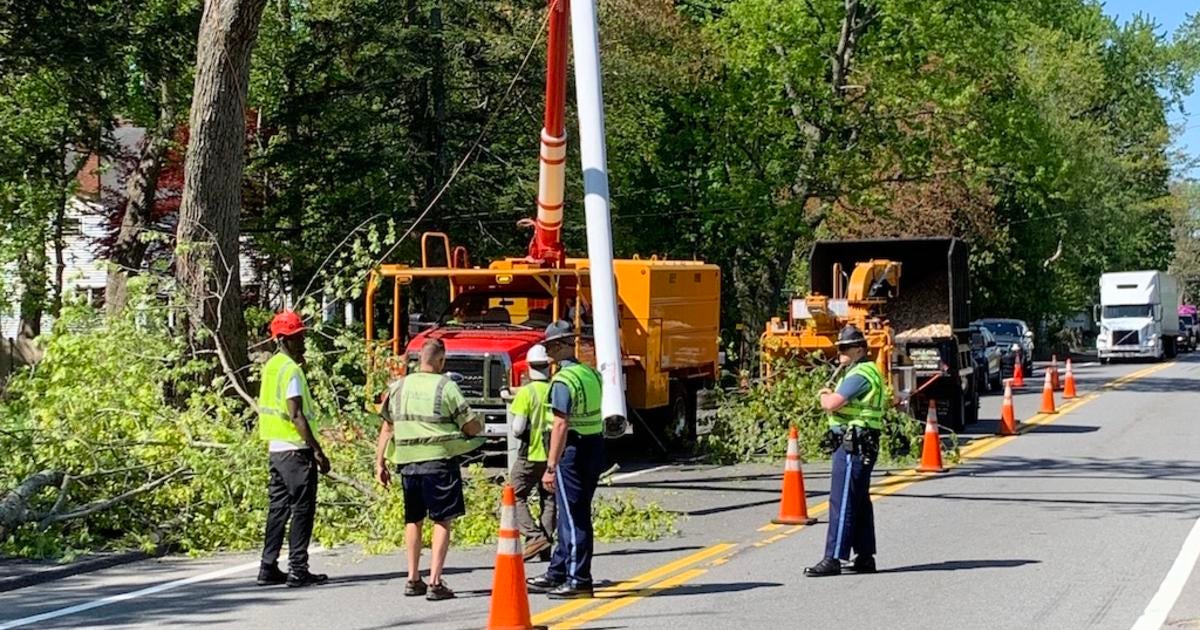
(574, 463)
(426, 416)
(530, 418)
(856, 409)
(287, 422)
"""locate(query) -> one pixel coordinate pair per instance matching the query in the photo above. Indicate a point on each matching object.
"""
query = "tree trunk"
(207, 265)
(59, 240)
(141, 191)
(31, 269)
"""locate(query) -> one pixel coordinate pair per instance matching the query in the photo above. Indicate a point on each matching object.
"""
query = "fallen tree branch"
(14, 508)
(100, 506)
(353, 483)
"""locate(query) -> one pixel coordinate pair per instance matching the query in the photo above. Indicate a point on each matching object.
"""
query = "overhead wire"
(492, 116)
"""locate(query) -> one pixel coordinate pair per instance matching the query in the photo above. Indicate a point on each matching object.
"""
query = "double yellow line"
(610, 599)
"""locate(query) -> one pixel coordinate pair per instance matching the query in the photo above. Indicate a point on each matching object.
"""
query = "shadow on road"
(696, 589)
(639, 552)
(960, 565)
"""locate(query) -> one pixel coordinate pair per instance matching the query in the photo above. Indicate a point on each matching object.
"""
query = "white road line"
(1156, 612)
(113, 599)
(149, 590)
(624, 476)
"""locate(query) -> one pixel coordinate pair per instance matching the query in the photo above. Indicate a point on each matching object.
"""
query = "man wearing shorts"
(428, 418)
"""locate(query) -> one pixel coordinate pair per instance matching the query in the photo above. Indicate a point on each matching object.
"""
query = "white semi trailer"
(1138, 315)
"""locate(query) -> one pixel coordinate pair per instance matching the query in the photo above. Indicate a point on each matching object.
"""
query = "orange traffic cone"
(510, 598)
(1048, 396)
(1008, 418)
(1054, 384)
(793, 505)
(1018, 377)
(931, 452)
(1069, 383)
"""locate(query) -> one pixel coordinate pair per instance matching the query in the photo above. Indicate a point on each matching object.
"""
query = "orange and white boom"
(546, 245)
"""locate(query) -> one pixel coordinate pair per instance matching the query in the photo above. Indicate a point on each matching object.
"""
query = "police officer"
(574, 463)
(530, 423)
(287, 422)
(428, 418)
(855, 411)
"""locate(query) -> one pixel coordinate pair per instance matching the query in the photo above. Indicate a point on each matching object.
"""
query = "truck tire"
(679, 423)
(955, 412)
(971, 404)
(1169, 349)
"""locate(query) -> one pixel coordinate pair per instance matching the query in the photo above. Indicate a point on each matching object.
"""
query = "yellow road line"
(622, 588)
(893, 484)
(628, 600)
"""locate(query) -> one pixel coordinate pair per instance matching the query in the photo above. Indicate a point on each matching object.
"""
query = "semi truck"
(911, 297)
(1138, 315)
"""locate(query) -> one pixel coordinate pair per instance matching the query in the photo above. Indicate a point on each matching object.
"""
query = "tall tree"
(207, 263)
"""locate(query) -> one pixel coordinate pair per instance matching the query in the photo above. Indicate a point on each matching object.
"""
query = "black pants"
(577, 476)
(851, 514)
(293, 492)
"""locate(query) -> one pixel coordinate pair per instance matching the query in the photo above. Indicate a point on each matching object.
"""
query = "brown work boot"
(535, 548)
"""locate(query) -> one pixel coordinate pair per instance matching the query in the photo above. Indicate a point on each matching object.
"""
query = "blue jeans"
(851, 515)
(577, 475)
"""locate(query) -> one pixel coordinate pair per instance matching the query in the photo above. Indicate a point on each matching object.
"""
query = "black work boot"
(270, 575)
(299, 579)
(567, 590)
(438, 592)
(542, 583)
(415, 589)
(863, 564)
(824, 568)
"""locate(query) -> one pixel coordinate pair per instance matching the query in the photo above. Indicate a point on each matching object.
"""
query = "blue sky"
(1169, 14)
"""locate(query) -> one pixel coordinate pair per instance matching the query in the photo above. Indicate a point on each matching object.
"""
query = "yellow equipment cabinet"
(669, 322)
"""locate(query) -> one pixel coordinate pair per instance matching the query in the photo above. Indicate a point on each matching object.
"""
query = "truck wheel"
(955, 414)
(998, 382)
(679, 425)
(1169, 350)
(971, 405)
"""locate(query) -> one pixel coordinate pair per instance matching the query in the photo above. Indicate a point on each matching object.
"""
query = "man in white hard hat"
(530, 421)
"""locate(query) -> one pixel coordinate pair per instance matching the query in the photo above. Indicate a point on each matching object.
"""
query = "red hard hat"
(286, 323)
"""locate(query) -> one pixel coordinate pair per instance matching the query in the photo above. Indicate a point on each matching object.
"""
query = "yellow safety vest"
(583, 383)
(533, 402)
(865, 411)
(274, 419)
(428, 411)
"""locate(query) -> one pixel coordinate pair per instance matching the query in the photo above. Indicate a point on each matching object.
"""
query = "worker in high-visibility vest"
(574, 463)
(427, 418)
(287, 422)
(856, 410)
(530, 417)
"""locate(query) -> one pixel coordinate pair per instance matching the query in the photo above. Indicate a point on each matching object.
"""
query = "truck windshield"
(1003, 329)
(1113, 311)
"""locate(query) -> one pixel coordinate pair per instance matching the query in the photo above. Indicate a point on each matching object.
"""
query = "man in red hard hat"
(287, 422)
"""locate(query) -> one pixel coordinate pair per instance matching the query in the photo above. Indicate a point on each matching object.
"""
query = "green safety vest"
(533, 402)
(428, 412)
(274, 419)
(584, 385)
(865, 411)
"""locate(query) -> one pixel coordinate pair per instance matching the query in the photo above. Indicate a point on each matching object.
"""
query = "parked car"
(1013, 336)
(986, 353)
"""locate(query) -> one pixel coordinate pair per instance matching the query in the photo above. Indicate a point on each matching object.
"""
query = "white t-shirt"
(279, 446)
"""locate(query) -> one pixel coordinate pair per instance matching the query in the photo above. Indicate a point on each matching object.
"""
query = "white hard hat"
(539, 362)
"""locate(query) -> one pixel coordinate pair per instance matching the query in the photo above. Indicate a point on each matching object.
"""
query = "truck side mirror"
(1096, 312)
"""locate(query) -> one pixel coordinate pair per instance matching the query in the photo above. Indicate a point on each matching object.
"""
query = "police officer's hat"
(851, 337)
(559, 330)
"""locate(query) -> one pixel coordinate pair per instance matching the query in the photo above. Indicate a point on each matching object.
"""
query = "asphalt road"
(1086, 520)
